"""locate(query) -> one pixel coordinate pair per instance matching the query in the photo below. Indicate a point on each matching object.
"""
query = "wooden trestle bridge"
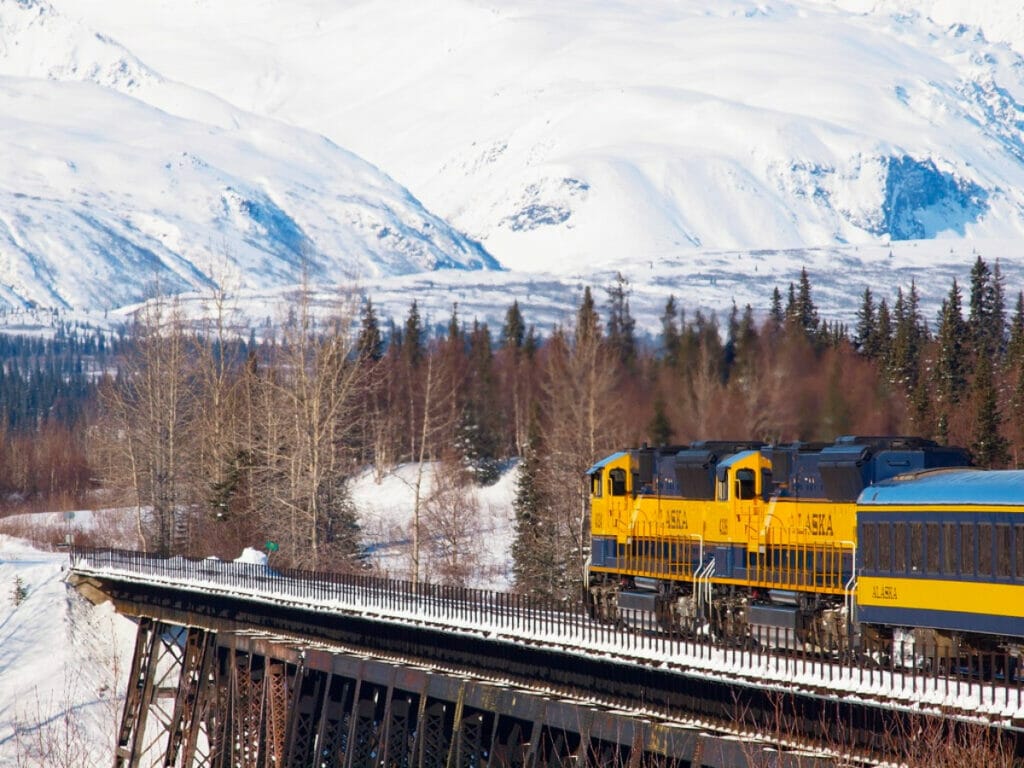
(239, 665)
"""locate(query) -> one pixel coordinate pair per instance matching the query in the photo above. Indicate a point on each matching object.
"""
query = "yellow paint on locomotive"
(650, 530)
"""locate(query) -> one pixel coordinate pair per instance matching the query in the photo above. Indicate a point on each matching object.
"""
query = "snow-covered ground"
(480, 534)
(60, 655)
(63, 664)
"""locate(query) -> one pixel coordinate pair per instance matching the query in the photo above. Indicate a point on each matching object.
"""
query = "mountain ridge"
(580, 139)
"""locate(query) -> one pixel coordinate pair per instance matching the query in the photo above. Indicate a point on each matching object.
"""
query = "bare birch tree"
(582, 422)
(145, 427)
(306, 409)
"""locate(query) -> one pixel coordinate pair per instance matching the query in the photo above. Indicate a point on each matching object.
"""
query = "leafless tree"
(582, 422)
(305, 410)
(144, 432)
(452, 515)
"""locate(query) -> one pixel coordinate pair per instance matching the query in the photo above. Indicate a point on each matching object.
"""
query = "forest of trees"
(228, 440)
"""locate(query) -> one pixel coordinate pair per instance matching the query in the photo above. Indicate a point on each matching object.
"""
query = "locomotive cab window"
(745, 483)
(723, 485)
(595, 485)
(617, 482)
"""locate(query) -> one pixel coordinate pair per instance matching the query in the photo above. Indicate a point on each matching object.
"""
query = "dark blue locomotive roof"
(949, 487)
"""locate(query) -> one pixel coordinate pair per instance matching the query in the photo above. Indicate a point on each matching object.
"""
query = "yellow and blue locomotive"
(741, 539)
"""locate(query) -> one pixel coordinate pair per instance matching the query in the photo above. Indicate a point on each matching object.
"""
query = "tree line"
(220, 439)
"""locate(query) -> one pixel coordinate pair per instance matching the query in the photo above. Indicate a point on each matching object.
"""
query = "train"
(829, 546)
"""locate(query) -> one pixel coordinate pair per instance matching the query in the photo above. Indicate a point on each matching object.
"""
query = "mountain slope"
(585, 133)
(113, 178)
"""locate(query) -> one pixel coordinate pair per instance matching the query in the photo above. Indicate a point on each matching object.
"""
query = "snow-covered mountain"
(589, 132)
(571, 140)
(113, 178)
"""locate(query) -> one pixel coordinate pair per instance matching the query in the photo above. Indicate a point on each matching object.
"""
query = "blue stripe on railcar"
(953, 621)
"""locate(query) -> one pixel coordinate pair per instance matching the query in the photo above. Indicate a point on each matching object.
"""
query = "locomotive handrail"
(851, 585)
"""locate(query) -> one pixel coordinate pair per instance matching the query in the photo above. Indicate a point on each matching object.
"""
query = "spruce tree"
(660, 428)
(513, 332)
(670, 333)
(884, 341)
(588, 325)
(413, 337)
(776, 316)
(481, 417)
(997, 324)
(806, 314)
(988, 446)
(866, 338)
(370, 345)
(533, 549)
(987, 316)
(951, 362)
(621, 333)
(745, 362)
(1015, 347)
(908, 339)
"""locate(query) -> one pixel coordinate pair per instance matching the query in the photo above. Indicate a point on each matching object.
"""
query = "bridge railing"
(989, 684)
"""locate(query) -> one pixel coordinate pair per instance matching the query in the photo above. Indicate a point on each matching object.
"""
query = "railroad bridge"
(239, 665)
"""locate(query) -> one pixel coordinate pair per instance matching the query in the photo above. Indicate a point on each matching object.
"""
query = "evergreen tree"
(513, 332)
(670, 333)
(866, 336)
(480, 428)
(413, 337)
(660, 428)
(998, 323)
(884, 333)
(588, 325)
(908, 338)
(987, 316)
(791, 311)
(951, 356)
(534, 561)
(776, 316)
(979, 311)
(370, 344)
(806, 313)
(745, 346)
(1015, 348)
(621, 325)
(988, 447)
(454, 332)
